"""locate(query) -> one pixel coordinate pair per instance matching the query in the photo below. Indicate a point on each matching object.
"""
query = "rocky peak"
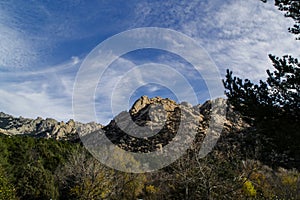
(152, 123)
(144, 101)
(4, 115)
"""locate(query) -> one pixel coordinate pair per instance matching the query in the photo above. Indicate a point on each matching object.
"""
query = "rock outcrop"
(153, 123)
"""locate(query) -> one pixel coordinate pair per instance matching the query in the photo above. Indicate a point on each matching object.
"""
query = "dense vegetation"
(46, 169)
(28, 166)
(34, 168)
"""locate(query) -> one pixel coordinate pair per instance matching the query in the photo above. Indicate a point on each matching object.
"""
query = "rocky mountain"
(148, 126)
(151, 124)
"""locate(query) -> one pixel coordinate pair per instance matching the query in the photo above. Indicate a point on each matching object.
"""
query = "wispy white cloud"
(34, 37)
(46, 93)
(34, 104)
(237, 34)
(247, 32)
(15, 50)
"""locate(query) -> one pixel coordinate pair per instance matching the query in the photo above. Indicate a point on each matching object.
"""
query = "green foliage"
(7, 190)
(44, 169)
(49, 169)
(35, 182)
(30, 164)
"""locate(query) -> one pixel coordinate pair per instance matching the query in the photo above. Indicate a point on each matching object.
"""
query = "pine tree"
(272, 106)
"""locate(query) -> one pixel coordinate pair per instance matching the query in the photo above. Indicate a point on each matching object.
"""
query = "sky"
(44, 43)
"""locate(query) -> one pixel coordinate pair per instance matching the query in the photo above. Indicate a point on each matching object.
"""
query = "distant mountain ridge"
(44, 128)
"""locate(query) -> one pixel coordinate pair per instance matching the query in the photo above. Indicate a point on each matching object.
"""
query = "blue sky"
(43, 43)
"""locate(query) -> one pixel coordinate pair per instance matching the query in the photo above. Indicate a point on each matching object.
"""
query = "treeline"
(47, 169)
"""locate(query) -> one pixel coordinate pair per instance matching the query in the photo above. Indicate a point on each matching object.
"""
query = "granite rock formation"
(150, 125)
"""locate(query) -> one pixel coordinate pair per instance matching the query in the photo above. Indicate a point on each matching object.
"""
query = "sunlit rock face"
(153, 123)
